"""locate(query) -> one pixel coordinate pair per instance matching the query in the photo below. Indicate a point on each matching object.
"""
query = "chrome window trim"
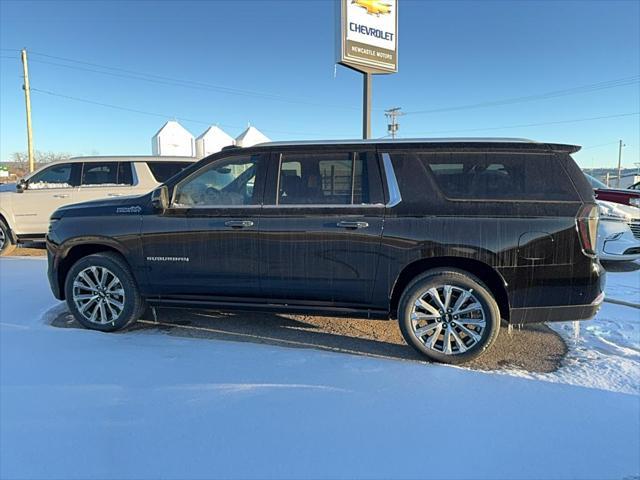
(392, 182)
(212, 207)
(325, 205)
(292, 205)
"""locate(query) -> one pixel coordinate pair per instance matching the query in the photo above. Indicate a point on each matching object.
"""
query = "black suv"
(449, 236)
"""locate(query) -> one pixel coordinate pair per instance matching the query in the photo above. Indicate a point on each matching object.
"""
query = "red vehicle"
(616, 195)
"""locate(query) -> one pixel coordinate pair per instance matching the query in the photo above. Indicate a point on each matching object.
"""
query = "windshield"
(595, 183)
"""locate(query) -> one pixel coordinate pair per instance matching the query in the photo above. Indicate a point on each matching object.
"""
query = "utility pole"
(392, 114)
(620, 145)
(366, 105)
(27, 101)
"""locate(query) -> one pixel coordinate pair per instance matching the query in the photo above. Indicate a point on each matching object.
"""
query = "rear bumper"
(562, 313)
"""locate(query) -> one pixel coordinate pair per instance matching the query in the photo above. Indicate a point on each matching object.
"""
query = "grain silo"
(173, 140)
(212, 140)
(251, 136)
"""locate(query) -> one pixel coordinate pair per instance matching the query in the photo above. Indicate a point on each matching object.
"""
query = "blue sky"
(271, 63)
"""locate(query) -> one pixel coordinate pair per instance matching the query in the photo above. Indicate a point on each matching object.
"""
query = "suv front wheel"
(449, 316)
(102, 293)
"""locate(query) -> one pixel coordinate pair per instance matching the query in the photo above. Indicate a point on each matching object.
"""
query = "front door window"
(55, 176)
(228, 182)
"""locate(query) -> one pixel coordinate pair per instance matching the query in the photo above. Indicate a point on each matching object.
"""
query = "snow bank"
(81, 404)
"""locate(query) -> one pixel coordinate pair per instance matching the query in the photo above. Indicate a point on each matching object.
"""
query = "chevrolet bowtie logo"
(374, 7)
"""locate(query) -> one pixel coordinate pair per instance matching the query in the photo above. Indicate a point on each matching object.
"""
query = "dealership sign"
(368, 35)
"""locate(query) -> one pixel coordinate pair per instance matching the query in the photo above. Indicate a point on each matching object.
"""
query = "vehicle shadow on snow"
(535, 348)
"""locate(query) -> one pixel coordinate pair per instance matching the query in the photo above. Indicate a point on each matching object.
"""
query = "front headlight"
(635, 202)
(609, 214)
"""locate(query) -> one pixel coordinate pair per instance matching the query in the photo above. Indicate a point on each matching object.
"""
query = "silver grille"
(634, 225)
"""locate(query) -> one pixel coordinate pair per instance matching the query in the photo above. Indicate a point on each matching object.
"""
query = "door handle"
(114, 194)
(239, 223)
(61, 195)
(349, 224)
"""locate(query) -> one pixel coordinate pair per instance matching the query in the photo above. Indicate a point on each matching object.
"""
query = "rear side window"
(500, 176)
(163, 171)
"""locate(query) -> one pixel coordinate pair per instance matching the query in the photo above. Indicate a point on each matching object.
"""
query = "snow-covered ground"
(81, 404)
(604, 352)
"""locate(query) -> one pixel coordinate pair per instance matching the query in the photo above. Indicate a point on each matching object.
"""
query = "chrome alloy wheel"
(448, 319)
(3, 238)
(98, 295)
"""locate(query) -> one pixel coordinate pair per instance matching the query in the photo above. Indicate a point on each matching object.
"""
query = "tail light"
(587, 225)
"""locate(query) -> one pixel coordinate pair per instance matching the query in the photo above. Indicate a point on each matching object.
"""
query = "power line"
(600, 145)
(170, 81)
(156, 114)
(558, 122)
(619, 82)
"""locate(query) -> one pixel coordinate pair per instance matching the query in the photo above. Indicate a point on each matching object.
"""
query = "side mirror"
(160, 198)
(21, 186)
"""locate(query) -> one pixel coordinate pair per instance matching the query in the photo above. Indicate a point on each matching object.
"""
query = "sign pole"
(366, 105)
(367, 41)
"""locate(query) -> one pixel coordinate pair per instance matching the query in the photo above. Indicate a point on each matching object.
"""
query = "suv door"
(321, 226)
(46, 191)
(105, 179)
(206, 243)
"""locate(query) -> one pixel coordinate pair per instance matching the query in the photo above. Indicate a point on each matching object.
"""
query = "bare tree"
(19, 163)
(48, 157)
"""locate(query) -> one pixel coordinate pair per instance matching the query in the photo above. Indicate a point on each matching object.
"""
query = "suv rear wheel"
(449, 316)
(102, 293)
(6, 244)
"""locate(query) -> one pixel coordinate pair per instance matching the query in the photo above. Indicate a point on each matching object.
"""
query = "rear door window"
(125, 175)
(163, 171)
(500, 176)
(341, 178)
(99, 174)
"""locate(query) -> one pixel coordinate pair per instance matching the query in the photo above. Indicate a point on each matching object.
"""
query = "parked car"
(25, 210)
(624, 196)
(618, 232)
(447, 236)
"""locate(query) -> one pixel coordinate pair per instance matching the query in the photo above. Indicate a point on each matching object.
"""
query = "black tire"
(461, 281)
(6, 243)
(133, 303)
